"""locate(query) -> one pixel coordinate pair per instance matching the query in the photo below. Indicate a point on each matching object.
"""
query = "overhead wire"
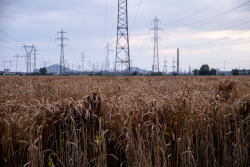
(106, 21)
(196, 13)
(213, 18)
(133, 23)
(6, 47)
(220, 38)
(29, 29)
(136, 15)
(11, 37)
(226, 42)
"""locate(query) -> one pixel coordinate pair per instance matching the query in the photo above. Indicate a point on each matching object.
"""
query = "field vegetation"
(124, 121)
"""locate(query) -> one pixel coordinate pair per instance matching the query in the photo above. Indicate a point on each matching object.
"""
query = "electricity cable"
(11, 37)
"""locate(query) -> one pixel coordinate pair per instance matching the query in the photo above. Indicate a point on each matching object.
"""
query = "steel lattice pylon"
(155, 67)
(29, 50)
(62, 62)
(122, 43)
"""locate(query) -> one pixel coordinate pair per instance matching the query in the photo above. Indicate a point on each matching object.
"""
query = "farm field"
(124, 121)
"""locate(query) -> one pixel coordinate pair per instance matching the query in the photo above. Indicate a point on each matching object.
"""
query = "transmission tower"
(155, 67)
(82, 58)
(35, 50)
(122, 42)
(28, 50)
(165, 66)
(107, 57)
(62, 38)
(174, 66)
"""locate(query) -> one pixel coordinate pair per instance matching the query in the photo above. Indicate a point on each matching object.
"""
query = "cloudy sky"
(207, 31)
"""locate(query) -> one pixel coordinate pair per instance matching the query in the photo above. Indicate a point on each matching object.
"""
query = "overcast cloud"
(206, 31)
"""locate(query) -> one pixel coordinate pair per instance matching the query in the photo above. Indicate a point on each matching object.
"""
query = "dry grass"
(122, 121)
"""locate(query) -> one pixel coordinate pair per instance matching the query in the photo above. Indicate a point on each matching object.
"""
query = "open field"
(123, 121)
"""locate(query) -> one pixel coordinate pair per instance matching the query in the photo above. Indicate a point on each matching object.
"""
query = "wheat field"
(124, 121)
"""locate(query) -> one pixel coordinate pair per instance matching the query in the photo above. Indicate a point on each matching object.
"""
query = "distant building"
(35, 70)
(6, 71)
(244, 72)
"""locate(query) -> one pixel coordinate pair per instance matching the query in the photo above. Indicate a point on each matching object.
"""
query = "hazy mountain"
(132, 69)
(55, 68)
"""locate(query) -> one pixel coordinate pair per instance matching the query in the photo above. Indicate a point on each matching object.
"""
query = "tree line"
(205, 70)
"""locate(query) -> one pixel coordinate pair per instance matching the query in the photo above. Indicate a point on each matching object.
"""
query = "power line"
(196, 13)
(106, 20)
(220, 38)
(218, 16)
(136, 15)
(29, 30)
(3, 41)
(11, 37)
(226, 42)
(9, 48)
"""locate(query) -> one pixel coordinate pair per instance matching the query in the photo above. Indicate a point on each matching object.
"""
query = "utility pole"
(102, 66)
(16, 61)
(178, 61)
(82, 58)
(28, 50)
(97, 66)
(10, 65)
(78, 68)
(122, 40)
(62, 63)
(155, 67)
(174, 66)
(89, 65)
(4, 64)
(224, 67)
(45, 63)
(165, 66)
(107, 57)
(17, 56)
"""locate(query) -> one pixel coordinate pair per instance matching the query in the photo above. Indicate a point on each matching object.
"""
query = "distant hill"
(55, 68)
(132, 69)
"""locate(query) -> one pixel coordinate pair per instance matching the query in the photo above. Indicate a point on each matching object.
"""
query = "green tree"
(235, 71)
(213, 71)
(134, 73)
(43, 71)
(204, 70)
(196, 72)
(244, 72)
(156, 74)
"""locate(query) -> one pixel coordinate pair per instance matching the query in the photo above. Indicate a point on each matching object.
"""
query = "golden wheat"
(124, 121)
